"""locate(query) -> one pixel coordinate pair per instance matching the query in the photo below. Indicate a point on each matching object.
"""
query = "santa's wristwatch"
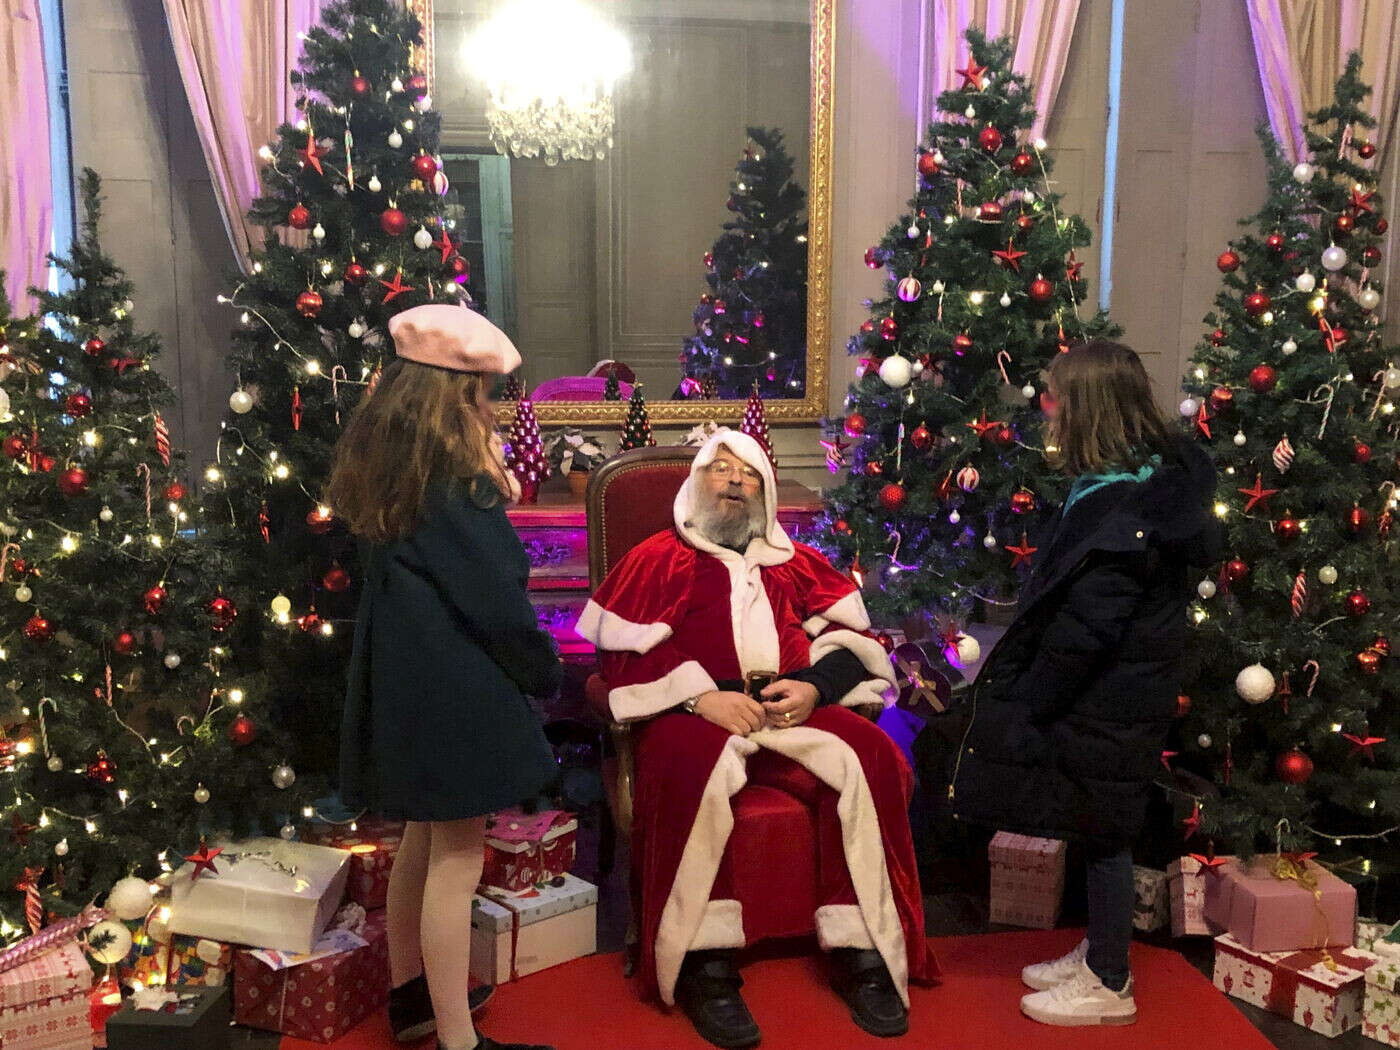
(688, 706)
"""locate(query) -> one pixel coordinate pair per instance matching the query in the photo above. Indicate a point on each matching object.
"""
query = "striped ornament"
(1283, 455)
(162, 440)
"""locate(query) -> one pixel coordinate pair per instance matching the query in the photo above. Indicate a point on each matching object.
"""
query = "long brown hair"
(1106, 418)
(421, 425)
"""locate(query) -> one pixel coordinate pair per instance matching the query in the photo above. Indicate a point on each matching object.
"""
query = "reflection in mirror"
(678, 259)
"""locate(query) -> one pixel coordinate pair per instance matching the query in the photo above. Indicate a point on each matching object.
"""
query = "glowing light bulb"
(1221, 510)
(91, 438)
(280, 472)
(313, 367)
(213, 475)
(235, 696)
(69, 543)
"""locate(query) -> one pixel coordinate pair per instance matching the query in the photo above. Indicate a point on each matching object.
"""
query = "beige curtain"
(235, 57)
(1042, 30)
(26, 189)
(1301, 47)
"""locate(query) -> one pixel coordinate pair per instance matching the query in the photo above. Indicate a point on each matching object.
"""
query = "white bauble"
(356, 329)
(288, 832)
(1189, 407)
(105, 515)
(23, 593)
(424, 104)
(1240, 439)
(1255, 684)
(55, 764)
(117, 938)
(896, 371)
(283, 777)
(969, 650)
(318, 232)
(1028, 391)
(1204, 741)
(1289, 347)
(970, 113)
(396, 85)
(422, 240)
(395, 139)
(1334, 258)
(1005, 299)
(918, 367)
(1327, 574)
(130, 898)
(1305, 282)
(1206, 589)
(240, 401)
(440, 184)
(60, 848)
(1392, 378)
(1368, 298)
(1303, 172)
(913, 231)
(938, 287)
(201, 794)
(954, 518)
(281, 605)
(172, 660)
(989, 541)
(374, 185)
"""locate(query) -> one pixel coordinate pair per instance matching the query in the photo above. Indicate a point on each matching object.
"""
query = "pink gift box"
(44, 1003)
(1027, 880)
(526, 849)
(1298, 985)
(1187, 878)
(1265, 913)
(373, 845)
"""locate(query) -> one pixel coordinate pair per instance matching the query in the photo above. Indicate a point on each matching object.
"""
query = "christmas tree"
(136, 716)
(751, 325)
(947, 478)
(525, 452)
(755, 424)
(1288, 701)
(359, 170)
(612, 388)
(636, 431)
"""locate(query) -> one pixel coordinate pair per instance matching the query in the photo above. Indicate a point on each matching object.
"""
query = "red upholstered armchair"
(773, 847)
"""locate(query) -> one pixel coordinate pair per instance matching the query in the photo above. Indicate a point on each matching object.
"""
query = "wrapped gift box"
(1369, 931)
(161, 957)
(44, 1003)
(1027, 880)
(1298, 985)
(372, 844)
(192, 1019)
(1187, 877)
(319, 999)
(1152, 904)
(527, 849)
(267, 893)
(513, 936)
(1380, 1010)
(1266, 913)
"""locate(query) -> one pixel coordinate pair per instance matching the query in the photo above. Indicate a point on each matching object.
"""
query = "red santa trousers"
(856, 782)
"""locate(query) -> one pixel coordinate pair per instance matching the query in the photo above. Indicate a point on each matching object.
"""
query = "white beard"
(726, 525)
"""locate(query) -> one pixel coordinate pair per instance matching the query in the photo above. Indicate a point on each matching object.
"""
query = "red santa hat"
(773, 547)
(452, 337)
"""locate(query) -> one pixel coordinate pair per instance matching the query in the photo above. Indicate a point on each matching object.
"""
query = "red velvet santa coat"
(680, 614)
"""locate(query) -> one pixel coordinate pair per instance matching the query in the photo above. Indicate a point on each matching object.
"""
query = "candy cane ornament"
(162, 435)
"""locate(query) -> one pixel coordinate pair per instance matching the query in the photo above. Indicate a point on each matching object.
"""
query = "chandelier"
(549, 68)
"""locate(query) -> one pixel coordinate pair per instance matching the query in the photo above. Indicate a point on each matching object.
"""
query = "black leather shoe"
(485, 1042)
(708, 991)
(863, 981)
(411, 1008)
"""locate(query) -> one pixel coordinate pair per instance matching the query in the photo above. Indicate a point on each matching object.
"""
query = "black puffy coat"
(1073, 706)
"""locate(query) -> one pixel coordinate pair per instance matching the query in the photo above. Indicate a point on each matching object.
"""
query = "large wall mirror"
(688, 249)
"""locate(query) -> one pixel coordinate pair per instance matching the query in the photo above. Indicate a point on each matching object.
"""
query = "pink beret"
(452, 337)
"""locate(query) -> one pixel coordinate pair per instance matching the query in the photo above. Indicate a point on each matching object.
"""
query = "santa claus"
(740, 654)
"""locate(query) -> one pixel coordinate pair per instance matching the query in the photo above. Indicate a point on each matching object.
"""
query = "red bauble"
(242, 731)
(1022, 164)
(885, 641)
(1381, 226)
(855, 424)
(77, 405)
(921, 438)
(124, 643)
(989, 211)
(461, 268)
(46, 463)
(309, 304)
(875, 468)
(299, 218)
(393, 222)
(223, 611)
(1381, 645)
(1236, 569)
(1358, 604)
(1287, 530)
(310, 622)
(175, 492)
(892, 496)
(103, 770)
(1024, 221)
(356, 274)
(418, 84)
(336, 580)
(1255, 303)
(1371, 255)
(1366, 150)
(1293, 767)
(1262, 379)
(154, 600)
(928, 165)
(94, 347)
(1274, 242)
(989, 138)
(962, 343)
(867, 326)
(872, 257)
(359, 86)
(16, 445)
(1369, 661)
(1357, 520)
(1218, 337)
(1040, 290)
(1344, 223)
(889, 329)
(424, 167)
(319, 523)
(841, 527)
(1361, 452)
(1227, 262)
(1004, 435)
(1222, 397)
(73, 482)
(38, 629)
(1022, 502)
(1183, 705)
(20, 566)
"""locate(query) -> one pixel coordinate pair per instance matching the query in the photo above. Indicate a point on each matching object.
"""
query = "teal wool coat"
(447, 646)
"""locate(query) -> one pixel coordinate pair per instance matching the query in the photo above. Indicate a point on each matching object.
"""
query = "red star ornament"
(981, 426)
(1192, 824)
(1072, 268)
(1360, 202)
(1021, 553)
(1300, 859)
(203, 860)
(1364, 745)
(972, 75)
(444, 244)
(1203, 422)
(1010, 257)
(1258, 494)
(311, 153)
(1210, 862)
(395, 288)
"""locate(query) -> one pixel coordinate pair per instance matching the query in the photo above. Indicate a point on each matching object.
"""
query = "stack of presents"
(1287, 935)
(285, 936)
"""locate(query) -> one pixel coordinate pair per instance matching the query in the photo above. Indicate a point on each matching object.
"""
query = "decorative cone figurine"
(525, 455)
(755, 424)
(613, 390)
(636, 432)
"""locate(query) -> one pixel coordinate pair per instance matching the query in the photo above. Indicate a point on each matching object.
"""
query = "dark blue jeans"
(1111, 897)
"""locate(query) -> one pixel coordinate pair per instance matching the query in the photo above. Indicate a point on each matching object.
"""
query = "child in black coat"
(1073, 707)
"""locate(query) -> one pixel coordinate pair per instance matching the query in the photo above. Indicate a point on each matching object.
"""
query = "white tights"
(434, 876)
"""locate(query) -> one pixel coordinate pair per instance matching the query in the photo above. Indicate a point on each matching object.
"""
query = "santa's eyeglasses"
(723, 469)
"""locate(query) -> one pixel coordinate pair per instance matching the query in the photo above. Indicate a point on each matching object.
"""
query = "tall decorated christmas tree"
(751, 323)
(359, 172)
(1289, 702)
(136, 716)
(525, 452)
(636, 428)
(947, 474)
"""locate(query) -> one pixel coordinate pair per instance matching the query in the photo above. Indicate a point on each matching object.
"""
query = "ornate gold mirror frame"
(788, 410)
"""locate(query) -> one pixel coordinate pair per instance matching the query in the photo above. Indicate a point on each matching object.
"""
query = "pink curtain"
(26, 187)
(1301, 47)
(1042, 30)
(235, 57)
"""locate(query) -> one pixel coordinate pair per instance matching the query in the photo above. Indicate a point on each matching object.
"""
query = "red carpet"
(587, 1005)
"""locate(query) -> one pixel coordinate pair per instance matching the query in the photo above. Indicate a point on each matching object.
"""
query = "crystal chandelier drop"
(549, 68)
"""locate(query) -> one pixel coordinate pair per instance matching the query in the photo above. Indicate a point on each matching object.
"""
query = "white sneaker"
(1041, 976)
(1081, 1001)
